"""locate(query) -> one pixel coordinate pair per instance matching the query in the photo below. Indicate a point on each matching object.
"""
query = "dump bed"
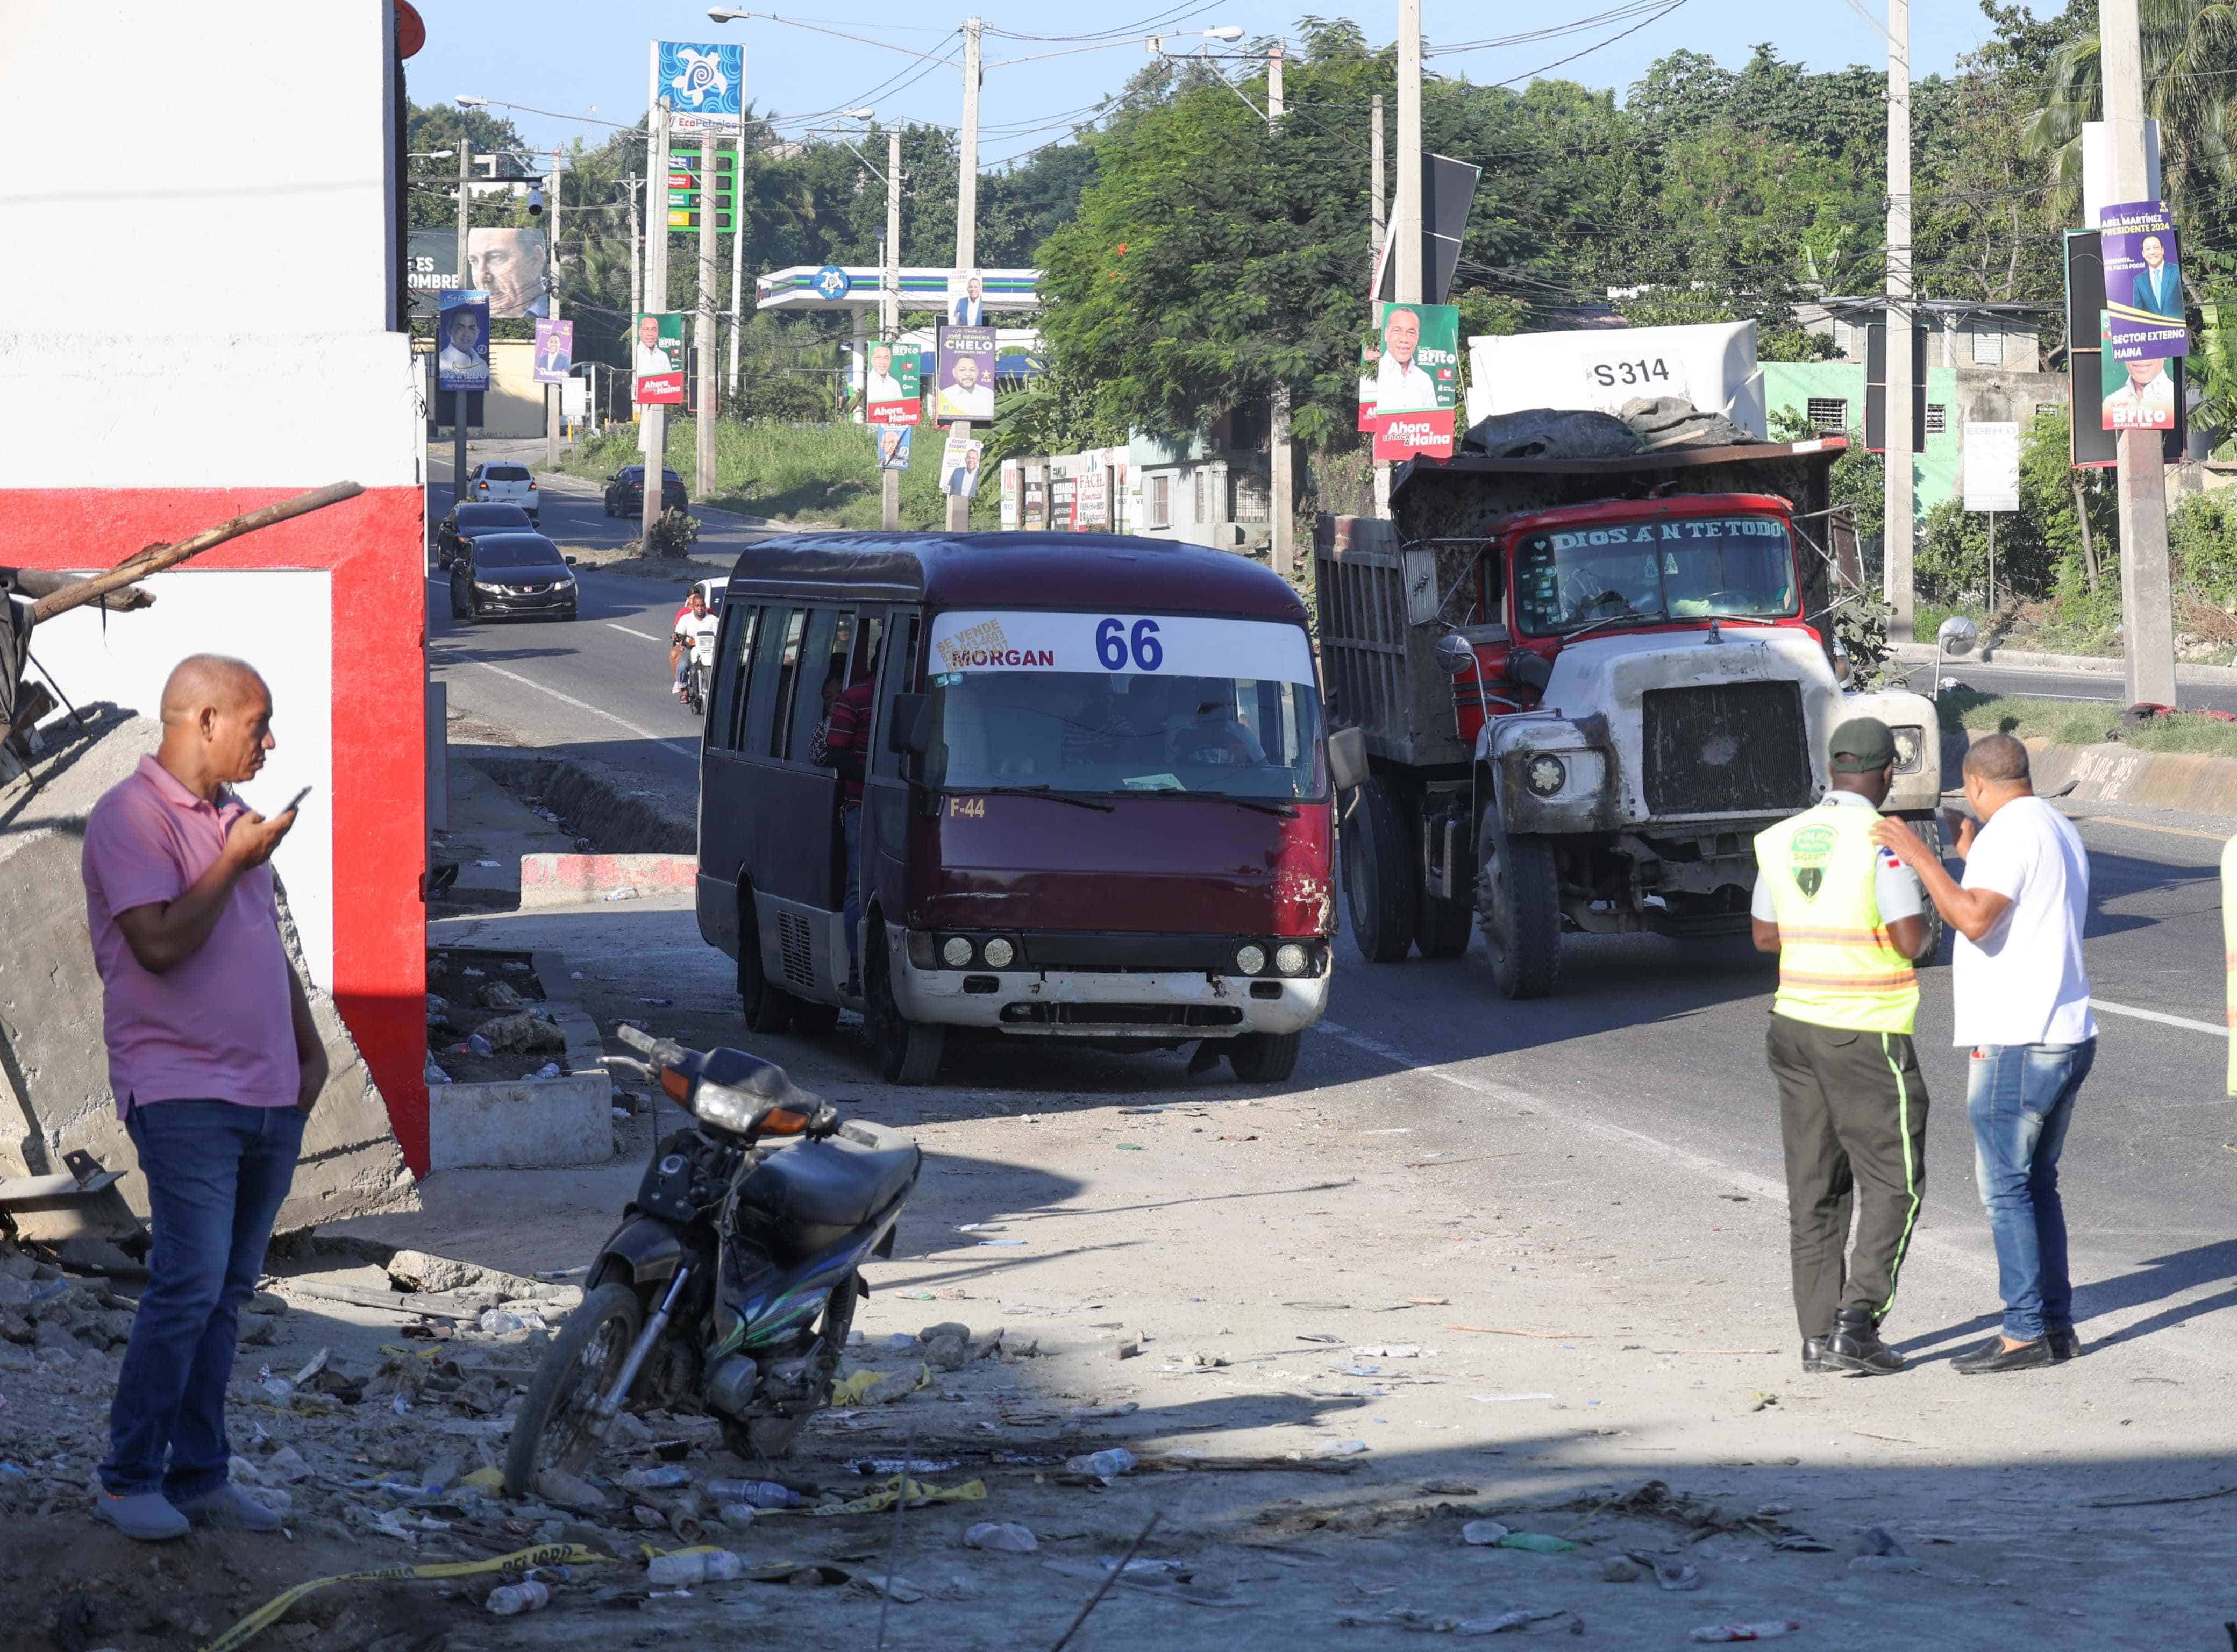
(1380, 583)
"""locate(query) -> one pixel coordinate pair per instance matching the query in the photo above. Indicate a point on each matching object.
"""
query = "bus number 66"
(1112, 645)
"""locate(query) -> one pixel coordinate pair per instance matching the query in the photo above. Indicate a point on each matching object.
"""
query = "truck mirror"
(1453, 654)
(909, 725)
(1533, 670)
(1347, 750)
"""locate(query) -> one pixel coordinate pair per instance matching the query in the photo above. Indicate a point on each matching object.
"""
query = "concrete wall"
(1934, 473)
(512, 406)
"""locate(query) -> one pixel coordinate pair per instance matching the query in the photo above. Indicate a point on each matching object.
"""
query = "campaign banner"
(964, 374)
(1159, 645)
(555, 351)
(1013, 488)
(892, 386)
(966, 299)
(1091, 498)
(2138, 394)
(1410, 379)
(958, 464)
(893, 446)
(657, 359)
(462, 356)
(509, 265)
(2143, 282)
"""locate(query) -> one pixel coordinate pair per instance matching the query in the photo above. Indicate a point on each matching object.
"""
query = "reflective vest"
(1836, 967)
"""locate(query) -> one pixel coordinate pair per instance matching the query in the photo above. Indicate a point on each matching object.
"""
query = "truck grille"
(1724, 748)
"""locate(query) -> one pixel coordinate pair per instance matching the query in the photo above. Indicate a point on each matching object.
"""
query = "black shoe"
(1814, 1362)
(1856, 1346)
(1992, 1356)
(2064, 1345)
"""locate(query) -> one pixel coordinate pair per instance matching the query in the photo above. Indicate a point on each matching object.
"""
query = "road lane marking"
(2160, 1016)
(684, 752)
(648, 638)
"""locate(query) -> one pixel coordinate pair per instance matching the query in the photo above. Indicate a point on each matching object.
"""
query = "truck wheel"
(1264, 1058)
(1929, 827)
(1441, 927)
(768, 1007)
(1378, 876)
(1519, 906)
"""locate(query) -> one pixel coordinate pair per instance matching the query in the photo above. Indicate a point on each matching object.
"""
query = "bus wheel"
(1264, 1058)
(907, 1052)
(768, 1009)
(1519, 905)
(1378, 876)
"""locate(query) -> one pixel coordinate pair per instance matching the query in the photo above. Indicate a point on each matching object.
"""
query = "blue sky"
(584, 56)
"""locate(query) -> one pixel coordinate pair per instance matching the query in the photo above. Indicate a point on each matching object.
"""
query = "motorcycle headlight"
(1909, 749)
(998, 953)
(1546, 774)
(1291, 959)
(956, 952)
(1250, 959)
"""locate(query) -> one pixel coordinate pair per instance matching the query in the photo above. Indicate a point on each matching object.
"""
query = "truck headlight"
(1546, 774)
(1909, 749)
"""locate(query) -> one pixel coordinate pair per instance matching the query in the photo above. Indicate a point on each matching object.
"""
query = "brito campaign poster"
(1409, 380)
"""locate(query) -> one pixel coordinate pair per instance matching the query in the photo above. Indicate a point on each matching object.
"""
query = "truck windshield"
(1224, 708)
(1671, 568)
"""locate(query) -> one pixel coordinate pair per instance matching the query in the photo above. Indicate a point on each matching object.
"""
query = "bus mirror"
(1347, 749)
(908, 726)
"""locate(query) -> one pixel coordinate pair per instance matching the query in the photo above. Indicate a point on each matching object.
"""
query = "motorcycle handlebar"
(661, 1051)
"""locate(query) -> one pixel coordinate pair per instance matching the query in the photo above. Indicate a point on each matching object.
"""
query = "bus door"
(886, 789)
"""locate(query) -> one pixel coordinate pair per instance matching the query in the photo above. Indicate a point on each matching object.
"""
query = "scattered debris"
(1620, 1569)
(1002, 1537)
(1538, 1543)
(1105, 1466)
(1484, 1534)
(1769, 1631)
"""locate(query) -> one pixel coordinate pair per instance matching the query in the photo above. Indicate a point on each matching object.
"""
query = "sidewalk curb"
(571, 880)
(2091, 665)
(2193, 782)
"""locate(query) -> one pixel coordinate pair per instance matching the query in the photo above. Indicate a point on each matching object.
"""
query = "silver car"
(503, 484)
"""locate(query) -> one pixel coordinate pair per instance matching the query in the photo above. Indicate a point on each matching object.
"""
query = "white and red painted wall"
(197, 317)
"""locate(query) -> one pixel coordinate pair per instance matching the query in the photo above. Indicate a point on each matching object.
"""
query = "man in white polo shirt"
(2022, 1006)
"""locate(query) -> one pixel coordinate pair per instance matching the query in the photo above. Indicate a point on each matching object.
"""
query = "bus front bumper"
(1164, 1008)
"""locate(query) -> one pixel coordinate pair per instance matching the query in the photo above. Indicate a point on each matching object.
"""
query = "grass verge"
(2069, 723)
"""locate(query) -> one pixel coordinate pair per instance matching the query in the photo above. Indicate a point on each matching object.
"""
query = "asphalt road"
(1650, 1054)
(2107, 686)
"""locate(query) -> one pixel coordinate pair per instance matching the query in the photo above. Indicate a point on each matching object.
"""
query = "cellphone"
(296, 801)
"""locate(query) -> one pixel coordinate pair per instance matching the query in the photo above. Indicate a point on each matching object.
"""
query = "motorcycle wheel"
(552, 1429)
(770, 1439)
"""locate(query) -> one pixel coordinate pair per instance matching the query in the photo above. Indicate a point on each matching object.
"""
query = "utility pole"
(710, 245)
(967, 209)
(1896, 534)
(552, 392)
(654, 414)
(737, 257)
(637, 256)
(465, 280)
(1280, 474)
(1377, 233)
(1406, 219)
(889, 315)
(2147, 593)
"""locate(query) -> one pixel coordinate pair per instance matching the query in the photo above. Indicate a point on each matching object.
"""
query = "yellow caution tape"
(276, 1608)
(890, 1492)
(865, 1383)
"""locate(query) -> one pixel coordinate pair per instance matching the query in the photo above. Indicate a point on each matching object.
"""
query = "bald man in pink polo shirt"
(215, 1063)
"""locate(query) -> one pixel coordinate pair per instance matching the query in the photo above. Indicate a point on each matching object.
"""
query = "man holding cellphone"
(215, 1063)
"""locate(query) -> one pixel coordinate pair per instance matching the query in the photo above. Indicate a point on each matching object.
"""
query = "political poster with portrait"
(893, 446)
(462, 352)
(1410, 380)
(2138, 394)
(892, 385)
(966, 299)
(511, 265)
(964, 386)
(657, 356)
(958, 464)
(555, 351)
(2143, 281)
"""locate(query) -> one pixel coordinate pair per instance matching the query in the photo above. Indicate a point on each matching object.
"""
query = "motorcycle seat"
(829, 1186)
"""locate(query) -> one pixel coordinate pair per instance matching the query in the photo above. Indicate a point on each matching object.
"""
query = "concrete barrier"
(570, 880)
(54, 1066)
(2198, 783)
(567, 1121)
(614, 810)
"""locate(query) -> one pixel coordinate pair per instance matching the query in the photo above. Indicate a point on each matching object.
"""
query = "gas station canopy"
(855, 286)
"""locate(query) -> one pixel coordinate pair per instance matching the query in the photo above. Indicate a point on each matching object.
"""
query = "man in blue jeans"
(214, 1061)
(2023, 1006)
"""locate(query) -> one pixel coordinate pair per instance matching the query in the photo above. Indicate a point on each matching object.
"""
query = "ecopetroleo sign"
(1152, 645)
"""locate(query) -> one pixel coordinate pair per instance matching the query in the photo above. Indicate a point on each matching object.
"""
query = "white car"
(503, 484)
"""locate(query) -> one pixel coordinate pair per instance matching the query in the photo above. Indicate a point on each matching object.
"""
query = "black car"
(466, 521)
(625, 493)
(512, 576)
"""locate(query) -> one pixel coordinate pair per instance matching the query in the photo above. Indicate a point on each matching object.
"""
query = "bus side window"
(734, 649)
(774, 644)
(800, 690)
(864, 660)
(899, 678)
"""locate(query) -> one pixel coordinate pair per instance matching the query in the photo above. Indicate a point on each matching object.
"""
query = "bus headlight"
(1250, 959)
(956, 952)
(1546, 774)
(1291, 959)
(998, 953)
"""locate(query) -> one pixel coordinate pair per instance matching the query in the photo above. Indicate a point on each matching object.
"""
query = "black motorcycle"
(731, 1283)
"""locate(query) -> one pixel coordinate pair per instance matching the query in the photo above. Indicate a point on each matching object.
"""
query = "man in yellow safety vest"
(1846, 919)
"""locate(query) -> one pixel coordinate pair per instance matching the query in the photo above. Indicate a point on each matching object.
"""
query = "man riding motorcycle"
(693, 621)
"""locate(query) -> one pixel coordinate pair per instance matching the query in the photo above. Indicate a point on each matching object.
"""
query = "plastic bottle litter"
(663, 1479)
(701, 1566)
(1104, 1465)
(549, 1070)
(497, 1321)
(1537, 1543)
(761, 1494)
(1768, 1631)
(1338, 1448)
(737, 1515)
(1483, 1533)
(480, 1045)
(1002, 1537)
(516, 1598)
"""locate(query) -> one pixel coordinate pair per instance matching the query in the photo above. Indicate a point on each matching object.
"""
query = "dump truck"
(1569, 693)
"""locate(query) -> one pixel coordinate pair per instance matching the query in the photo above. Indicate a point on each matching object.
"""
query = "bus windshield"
(1687, 567)
(1225, 707)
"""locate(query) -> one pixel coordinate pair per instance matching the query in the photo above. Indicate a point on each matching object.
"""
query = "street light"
(728, 13)
(1226, 31)
(469, 101)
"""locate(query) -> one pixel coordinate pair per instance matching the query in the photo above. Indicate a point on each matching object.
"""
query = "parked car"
(625, 493)
(496, 483)
(512, 576)
(465, 521)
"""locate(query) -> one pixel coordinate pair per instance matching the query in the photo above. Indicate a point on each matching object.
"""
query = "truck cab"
(1608, 677)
